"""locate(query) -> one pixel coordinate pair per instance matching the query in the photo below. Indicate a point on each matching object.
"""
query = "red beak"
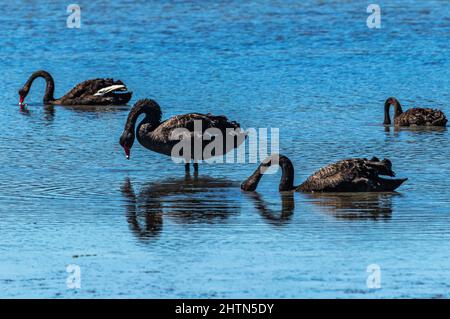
(127, 152)
(21, 99)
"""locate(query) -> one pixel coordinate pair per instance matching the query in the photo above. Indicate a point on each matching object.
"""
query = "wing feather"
(90, 87)
(421, 117)
(357, 174)
(195, 123)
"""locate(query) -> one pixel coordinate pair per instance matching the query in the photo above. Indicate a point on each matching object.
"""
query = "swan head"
(391, 100)
(23, 92)
(126, 141)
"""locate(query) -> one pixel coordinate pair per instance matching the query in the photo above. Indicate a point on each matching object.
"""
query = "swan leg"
(187, 167)
(196, 167)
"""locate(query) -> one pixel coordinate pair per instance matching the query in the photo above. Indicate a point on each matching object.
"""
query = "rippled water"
(140, 228)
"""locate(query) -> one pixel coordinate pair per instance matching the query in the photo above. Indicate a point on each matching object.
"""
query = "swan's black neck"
(251, 183)
(49, 88)
(152, 112)
(387, 118)
(397, 109)
(287, 175)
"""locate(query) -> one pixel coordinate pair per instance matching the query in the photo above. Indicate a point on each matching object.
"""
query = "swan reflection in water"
(50, 110)
(193, 200)
(271, 216)
(357, 206)
(415, 129)
(188, 200)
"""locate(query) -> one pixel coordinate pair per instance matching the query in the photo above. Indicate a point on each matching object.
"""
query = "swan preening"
(414, 116)
(350, 175)
(157, 135)
(90, 92)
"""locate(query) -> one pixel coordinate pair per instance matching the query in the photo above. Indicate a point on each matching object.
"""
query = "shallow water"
(140, 228)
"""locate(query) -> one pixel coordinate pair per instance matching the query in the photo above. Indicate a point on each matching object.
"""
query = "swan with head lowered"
(350, 175)
(161, 137)
(414, 116)
(90, 92)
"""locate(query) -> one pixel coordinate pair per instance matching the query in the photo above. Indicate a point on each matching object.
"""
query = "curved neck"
(287, 175)
(387, 118)
(153, 116)
(152, 111)
(397, 109)
(251, 183)
(49, 88)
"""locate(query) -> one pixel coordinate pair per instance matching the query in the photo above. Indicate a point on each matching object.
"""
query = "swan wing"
(350, 175)
(194, 125)
(91, 87)
(331, 176)
(422, 117)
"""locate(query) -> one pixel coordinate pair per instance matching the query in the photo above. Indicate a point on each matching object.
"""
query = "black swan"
(414, 116)
(157, 136)
(351, 175)
(90, 92)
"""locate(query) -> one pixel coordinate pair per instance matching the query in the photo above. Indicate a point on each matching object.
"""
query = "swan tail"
(222, 122)
(390, 185)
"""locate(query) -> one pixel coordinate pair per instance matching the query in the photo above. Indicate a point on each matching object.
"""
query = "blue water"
(140, 228)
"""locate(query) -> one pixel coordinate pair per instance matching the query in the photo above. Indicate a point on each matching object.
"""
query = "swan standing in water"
(156, 135)
(90, 92)
(351, 175)
(414, 116)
